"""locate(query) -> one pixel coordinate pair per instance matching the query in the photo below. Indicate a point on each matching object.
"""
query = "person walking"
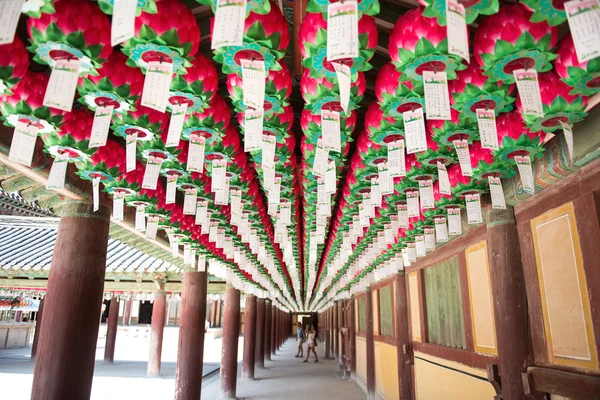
(300, 340)
(311, 345)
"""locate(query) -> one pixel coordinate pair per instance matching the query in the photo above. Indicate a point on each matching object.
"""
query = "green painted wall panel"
(443, 302)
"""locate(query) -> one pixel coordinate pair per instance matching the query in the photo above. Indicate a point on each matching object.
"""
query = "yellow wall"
(375, 303)
(434, 382)
(386, 371)
(480, 298)
(414, 311)
(565, 300)
(361, 358)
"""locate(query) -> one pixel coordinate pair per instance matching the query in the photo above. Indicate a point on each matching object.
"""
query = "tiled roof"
(14, 204)
(27, 244)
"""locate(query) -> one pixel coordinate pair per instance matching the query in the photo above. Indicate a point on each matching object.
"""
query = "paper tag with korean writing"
(60, 91)
(176, 124)
(473, 209)
(330, 178)
(200, 212)
(118, 206)
(412, 202)
(526, 173)
(157, 83)
(58, 172)
(123, 21)
(330, 127)
(189, 201)
(195, 160)
(171, 188)
(219, 171)
(152, 172)
(343, 73)
(441, 229)
(396, 158)
(429, 239)
(222, 195)
(375, 198)
(411, 252)
(420, 245)
(454, 223)
(10, 11)
(253, 83)
(23, 143)
(268, 177)
(100, 126)
(497, 193)
(96, 193)
(486, 121)
(386, 183)
(342, 30)
(437, 99)
(414, 131)
(229, 22)
(529, 92)
(152, 227)
(140, 218)
(568, 132)
(130, 151)
(321, 160)
(584, 23)
(253, 129)
(456, 29)
(402, 215)
(426, 194)
(443, 179)
(268, 151)
(464, 157)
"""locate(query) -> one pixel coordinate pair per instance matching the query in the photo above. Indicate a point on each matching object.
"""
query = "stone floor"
(285, 377)
(288, 378)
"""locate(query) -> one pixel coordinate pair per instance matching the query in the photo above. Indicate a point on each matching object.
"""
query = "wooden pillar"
(259, 349)
(219, 321)
(370, 347)
(402, 338)
(38, 325)
(277, 329)
(352, 329)
(249, 338)
(127, 311)
(273, 329)
(190, 349)
(157, 330)
(267, 341)
(231, 333)
(327, 333)
(112, 324)
(336, 337)
(167, 311)
(64, 364)
(510, 301)
(342, 345)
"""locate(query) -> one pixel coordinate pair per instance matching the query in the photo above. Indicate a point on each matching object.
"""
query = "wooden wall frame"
(586, 216)
(466, 356)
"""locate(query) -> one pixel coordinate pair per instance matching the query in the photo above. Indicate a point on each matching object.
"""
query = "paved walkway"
(288, 378)
(284, 378)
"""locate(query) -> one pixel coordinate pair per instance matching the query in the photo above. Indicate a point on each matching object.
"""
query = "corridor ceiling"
(298, 217)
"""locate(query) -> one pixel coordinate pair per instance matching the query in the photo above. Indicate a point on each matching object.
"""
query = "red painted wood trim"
(465, 300)
(449, 249)
(567, 384)
(474, 360)
(574, 186)
(385, 339)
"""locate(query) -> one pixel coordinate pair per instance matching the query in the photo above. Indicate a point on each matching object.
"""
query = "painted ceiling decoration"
(375, 174)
